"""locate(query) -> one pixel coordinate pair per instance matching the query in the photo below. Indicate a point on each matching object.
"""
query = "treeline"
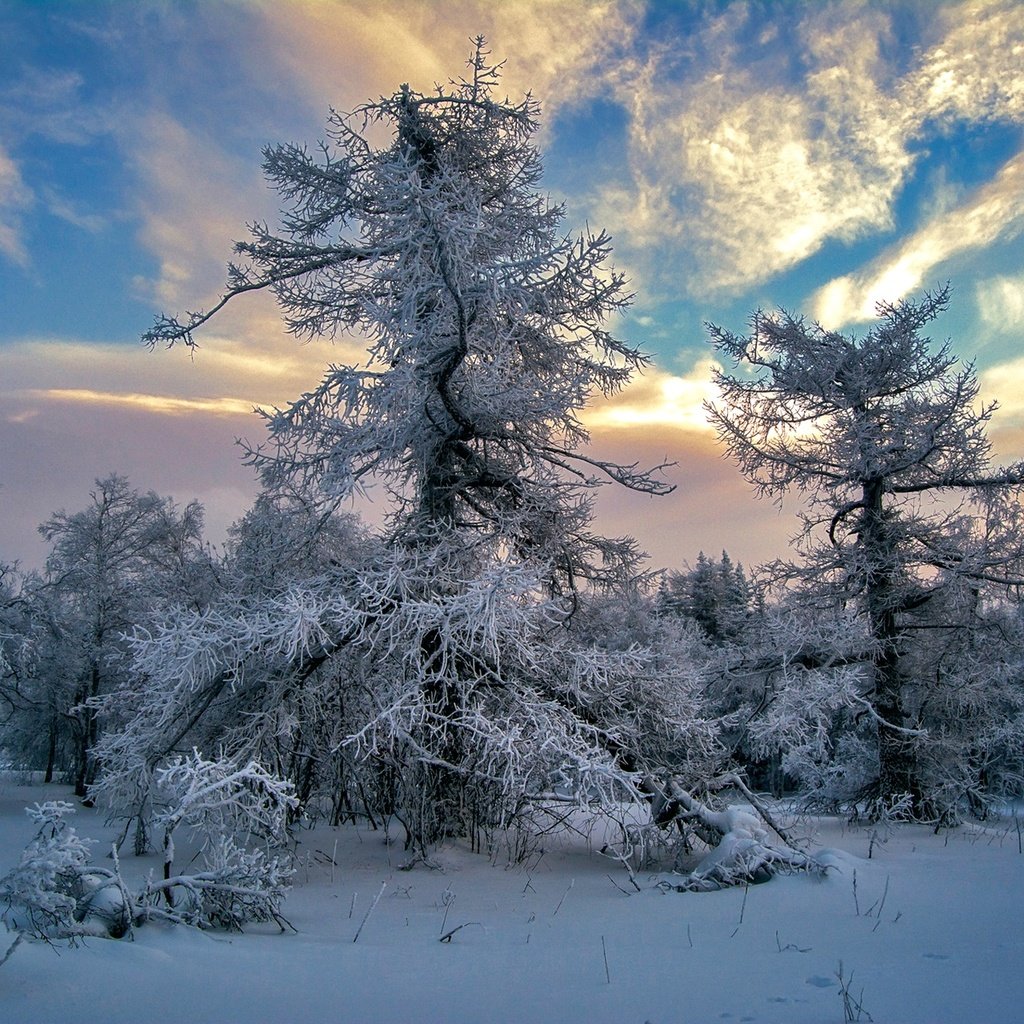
(780, 679)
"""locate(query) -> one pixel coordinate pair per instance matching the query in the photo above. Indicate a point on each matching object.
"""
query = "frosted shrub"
(54, 893)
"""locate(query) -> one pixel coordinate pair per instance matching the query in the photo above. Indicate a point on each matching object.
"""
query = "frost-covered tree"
(715, 595)
(237, 814)
(884, 437)
(486, 337)
(16, 648)
(35, 665)
(110, 565)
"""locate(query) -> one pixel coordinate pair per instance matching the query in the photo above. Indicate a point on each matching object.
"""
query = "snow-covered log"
(746, 845)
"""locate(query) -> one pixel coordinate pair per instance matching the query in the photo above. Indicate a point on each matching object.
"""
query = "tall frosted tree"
(885, 438)
(485, 330)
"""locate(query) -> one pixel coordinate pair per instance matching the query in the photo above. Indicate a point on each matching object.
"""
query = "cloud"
(712, 507)
(1004, 384)
(230, 374)
(753, 154)
(660, 418)
(47, 101)
(750, 150)
(972, 72)
(1000, 303)
(658, 399)
(193, 200)
(161, 404)
(62, 207)
(50, 460)
(52, 448)
(15, 198)
(993, 212)
(348, 51)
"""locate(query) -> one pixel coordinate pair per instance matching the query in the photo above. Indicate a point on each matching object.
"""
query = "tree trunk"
(85, 768)
(51, 752)
(441, 814)
(897, 761)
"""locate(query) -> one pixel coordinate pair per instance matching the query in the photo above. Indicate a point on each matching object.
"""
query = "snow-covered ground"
(929, 928)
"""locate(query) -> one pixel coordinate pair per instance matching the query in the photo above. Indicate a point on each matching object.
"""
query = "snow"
(929, 927)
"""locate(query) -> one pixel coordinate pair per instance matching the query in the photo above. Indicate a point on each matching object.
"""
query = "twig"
(447, 937)
(562, 900)
(447, 898)
(880, 903)
(853, 1007)
(366, 916)
(12, 947)
(743, 907)
(790, 945)
(625, 892)
(604, 950)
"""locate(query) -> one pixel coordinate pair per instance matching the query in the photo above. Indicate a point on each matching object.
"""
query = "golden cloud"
(229, 374)
(347, 51)
(162, 404)
(658, 399)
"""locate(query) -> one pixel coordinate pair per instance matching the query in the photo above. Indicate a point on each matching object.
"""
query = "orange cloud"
(161, 404)
(658, 399)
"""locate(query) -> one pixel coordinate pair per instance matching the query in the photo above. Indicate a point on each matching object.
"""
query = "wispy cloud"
(971, 74)
(189, 217)
(348, 51)
(973, 70)
(62, 207)
(995, 211)
(751, 153)
(1000, 302)
(750, 165)
(161, 404)
(15, 198)
(231, 374)
(48, 101)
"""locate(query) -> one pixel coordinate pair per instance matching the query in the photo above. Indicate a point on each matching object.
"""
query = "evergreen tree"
(884, 435)
(486, 331)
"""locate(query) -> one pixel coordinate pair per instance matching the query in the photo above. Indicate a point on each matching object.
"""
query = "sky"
(816, 156)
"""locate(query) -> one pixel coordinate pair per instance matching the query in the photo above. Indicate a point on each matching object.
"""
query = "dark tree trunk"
(443, 786)
(85, 766)
(51, 752)
(897, 761)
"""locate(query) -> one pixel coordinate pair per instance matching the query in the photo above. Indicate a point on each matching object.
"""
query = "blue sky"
(818, 156)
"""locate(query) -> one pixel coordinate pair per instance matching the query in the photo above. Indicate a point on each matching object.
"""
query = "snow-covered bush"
(54, 892)
(236, 813)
